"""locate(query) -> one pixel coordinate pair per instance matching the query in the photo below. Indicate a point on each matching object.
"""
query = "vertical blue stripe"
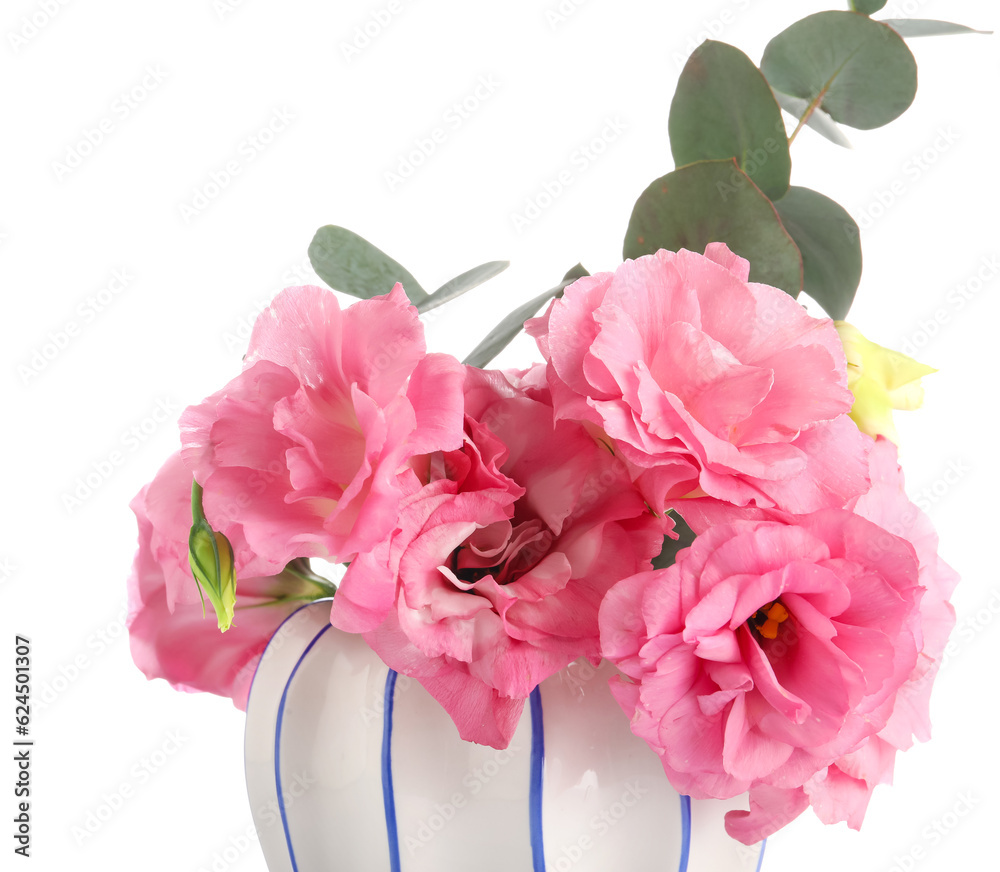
(388, 796)
(537, 770)
(256, 669)
(685, 833)
(760, 859)
(277, 746)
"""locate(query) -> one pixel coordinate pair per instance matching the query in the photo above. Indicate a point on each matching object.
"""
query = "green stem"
(308, 576)
(819, 98)
(808, 113)
(280, 601)
(197, 512)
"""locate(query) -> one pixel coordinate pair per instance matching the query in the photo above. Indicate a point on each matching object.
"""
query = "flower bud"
(211, 559)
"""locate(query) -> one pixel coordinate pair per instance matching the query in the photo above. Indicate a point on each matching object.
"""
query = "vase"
(351, 766)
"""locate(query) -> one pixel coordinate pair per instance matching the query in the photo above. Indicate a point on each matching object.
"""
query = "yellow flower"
(881, 380)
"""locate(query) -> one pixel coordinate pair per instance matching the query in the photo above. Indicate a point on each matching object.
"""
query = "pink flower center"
(519, 549)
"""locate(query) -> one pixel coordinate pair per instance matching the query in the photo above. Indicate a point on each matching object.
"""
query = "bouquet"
(697, 480)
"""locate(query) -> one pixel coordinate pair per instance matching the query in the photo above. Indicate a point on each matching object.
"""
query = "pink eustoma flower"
(503, 552)
(766, 653)
(300, 453)
(170, 634)
(707, 383)
(841, 791)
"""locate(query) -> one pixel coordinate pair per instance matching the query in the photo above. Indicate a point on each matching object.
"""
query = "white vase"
(351, 767)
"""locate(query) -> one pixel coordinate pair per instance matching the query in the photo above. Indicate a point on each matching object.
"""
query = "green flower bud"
(211, 559)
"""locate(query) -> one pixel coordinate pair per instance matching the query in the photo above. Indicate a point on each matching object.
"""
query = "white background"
(210, 75)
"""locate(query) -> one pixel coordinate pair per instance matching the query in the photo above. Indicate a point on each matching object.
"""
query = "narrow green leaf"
(830, 244)
(465, 282)
(724, 108)
(867, 7)
(502, 335)
(857, 70)
(715, 201)
(818, 120)
(354, 266)
(912, 27)
(574, 273)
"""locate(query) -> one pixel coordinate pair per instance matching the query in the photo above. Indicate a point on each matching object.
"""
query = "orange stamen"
(774, 614)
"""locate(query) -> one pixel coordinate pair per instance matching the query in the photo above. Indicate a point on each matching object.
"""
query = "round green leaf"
(715, 201)
(857, 70)
(867, 7)
(830, 244)
(354, 266)
(723, 108)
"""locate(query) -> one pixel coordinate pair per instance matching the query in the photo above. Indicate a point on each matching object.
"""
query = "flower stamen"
(766, 620)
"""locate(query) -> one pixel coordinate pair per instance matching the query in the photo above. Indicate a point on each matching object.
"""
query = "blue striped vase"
(352, 767)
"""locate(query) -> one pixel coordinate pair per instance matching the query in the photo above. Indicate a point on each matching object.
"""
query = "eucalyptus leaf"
(913, 27)
(502, 335)
(715, 201)
(857, 70)
(829, 241)
(465, 282)
(818, 120)
(724, 108)
(867, 7)
(574, 273)
(354, 266)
